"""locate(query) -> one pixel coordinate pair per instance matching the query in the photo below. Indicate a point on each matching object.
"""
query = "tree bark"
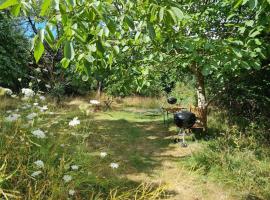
(201, 97)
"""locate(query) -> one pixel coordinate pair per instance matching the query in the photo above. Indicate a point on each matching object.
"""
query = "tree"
(14, 53)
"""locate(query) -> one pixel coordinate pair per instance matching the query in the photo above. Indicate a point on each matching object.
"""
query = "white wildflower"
(114, 165)
(39, 164)
(38, 69)
(8, 91)
(8, 111)
(31, 116)
(36, 173)
(43, 108)
(19, 79)
(39, 134)
(94, 102)
(74, 167)
(28, 92)
(12, 117)
(67, 178)
(42, 98)
(35, 104)
(14, 96)
(74, 122)
(103, 154)
(71, 192)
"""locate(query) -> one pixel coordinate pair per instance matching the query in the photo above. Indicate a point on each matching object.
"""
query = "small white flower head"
(28, 93)
(114, 165)
(36, 173)
(9, 111)
(31, 116)
(71, 192)
(74, 122)
(103, 154)
(94, 102)
(74, 167)
(35, 104)
(19, 79)
(39, 134)
(39, 164)
(38, 69)
(14, 96)
(67, 178)
(43, 108)
(8, 91)
(12, 117)
(42, 98)
(62, 145)
(48, 86)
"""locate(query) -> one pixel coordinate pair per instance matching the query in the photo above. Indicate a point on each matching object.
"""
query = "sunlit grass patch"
(57, 153)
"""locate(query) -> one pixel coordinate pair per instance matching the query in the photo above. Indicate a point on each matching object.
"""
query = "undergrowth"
(237, 158)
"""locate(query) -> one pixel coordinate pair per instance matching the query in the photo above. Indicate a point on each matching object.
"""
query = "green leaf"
(44, 7)
(151, 31)
(178, 13)
(254, 33)
(41, 34)
(38, 51)
(137, 36)
(69, 50)
(65, 62)
(249, 23)
(100, 47)
(116, 49)
(8, 3)
(206, 70)
(16, 10)
(161, 14)
(172, 15)
(129, 22)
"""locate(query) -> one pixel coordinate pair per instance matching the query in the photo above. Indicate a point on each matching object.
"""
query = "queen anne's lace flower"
(74, 167)
(28, 92)
(94, 102)
(12, 117)
(103, 154)
(39, 134)
(31, 116)
(74, 122)
(39, 164)
(114, 165)
(67, 178)
(71, 192)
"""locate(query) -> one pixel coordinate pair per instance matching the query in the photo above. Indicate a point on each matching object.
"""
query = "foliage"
(14, 53)
(236, 157)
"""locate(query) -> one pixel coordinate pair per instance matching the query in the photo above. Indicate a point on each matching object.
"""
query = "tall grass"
(237, 158)
(63, 147)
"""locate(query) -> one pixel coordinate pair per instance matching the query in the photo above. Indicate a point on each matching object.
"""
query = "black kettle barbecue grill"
(184, 120)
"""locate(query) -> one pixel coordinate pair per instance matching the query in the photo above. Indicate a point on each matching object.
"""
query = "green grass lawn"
(124, 153)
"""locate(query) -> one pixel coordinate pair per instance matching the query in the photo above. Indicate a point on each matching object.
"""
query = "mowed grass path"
(145, 150)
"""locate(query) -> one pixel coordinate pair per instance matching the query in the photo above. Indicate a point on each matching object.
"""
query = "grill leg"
(182, 133)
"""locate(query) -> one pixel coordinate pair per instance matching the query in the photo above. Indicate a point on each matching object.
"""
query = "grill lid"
(184, 119)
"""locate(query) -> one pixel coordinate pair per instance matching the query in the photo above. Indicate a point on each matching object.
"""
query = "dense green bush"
(14, 53)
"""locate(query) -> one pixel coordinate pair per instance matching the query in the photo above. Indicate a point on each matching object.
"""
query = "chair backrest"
(199, 113)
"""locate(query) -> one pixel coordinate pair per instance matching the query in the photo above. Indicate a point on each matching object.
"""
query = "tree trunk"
(201, 98)
(99, 85)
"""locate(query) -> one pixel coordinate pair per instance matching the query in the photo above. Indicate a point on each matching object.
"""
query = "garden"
(143, 100)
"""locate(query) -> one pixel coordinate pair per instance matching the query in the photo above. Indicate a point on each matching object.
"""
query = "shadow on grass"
(135, 144)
